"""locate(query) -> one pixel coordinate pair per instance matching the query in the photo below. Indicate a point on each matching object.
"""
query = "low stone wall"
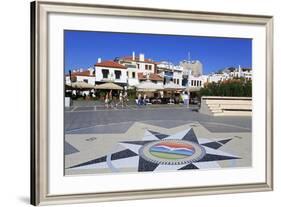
(226, 106)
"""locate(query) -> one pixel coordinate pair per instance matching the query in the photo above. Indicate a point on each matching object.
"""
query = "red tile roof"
(137, 59)
(82, 73)
(152, 76)
(110, 64)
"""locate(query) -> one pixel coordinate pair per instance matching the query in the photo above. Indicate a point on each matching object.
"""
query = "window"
(133, 75)
(191, 82)
(117, 74)
(178, 81)
(175, 80)
(146, 67)
(105, 73)
(130, 66)
(85, 80)
(138, 65)
(185, 82)
(150, 67)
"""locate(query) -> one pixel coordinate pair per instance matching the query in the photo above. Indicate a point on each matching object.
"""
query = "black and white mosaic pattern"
(130, 155)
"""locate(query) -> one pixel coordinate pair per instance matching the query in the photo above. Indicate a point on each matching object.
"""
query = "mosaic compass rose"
(158, 152)
(172, 152)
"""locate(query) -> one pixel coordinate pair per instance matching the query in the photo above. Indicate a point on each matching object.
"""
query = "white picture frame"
(43, 150)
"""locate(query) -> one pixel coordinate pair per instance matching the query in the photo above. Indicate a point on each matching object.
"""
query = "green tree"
(132, 93)
(235, 87)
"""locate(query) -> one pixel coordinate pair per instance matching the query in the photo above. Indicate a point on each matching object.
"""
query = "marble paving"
(148, 146)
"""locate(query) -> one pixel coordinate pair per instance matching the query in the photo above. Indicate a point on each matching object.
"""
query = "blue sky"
(83, 48)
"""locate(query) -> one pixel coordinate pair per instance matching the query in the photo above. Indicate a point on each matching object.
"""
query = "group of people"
(142, 100)
(110, 103)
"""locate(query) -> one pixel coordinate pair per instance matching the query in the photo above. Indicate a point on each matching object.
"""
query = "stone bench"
(226, 106)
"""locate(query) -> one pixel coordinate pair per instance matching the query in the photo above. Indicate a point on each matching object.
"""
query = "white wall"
(14, 107)
(178, 75)
(111, 75)
(142, 67)
(67, 80)
(133, 81)
(217, 77)
(91, 80)
(195, 81)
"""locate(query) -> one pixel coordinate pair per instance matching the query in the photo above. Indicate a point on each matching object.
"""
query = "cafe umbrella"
(109, 86)
(148, 86)
(80, 85)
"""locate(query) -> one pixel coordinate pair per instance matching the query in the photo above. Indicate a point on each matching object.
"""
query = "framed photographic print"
(134, 103)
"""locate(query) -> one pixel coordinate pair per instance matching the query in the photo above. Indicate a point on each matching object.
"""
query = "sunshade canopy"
(109, 86)
(149, 86)
(80, 85)
(172, 86)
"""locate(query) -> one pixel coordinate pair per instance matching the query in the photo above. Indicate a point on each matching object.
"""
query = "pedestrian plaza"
(152, 138)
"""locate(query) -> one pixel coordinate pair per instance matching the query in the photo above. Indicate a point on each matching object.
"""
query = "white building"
(170, 72)
(230, 73)
(154, 78)
(205, 79)
(195, 66)
(195, 82)
(137, 66)
(217, 77)
(80, 75)
(247, 73)
(241, 73)
(110, 71)
(187, 74)
(133, 70)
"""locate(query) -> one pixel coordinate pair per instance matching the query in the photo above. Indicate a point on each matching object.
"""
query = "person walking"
(184, 96)
(144, 99)
(120, 100)
(106, 100)
(139, 99)
(125, 99)
(110, 99)
(186, 99)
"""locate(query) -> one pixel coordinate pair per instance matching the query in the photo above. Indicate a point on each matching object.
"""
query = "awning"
(149, 86)
(109, 86)
(173, 87)
(80, 85)
(193, 89)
